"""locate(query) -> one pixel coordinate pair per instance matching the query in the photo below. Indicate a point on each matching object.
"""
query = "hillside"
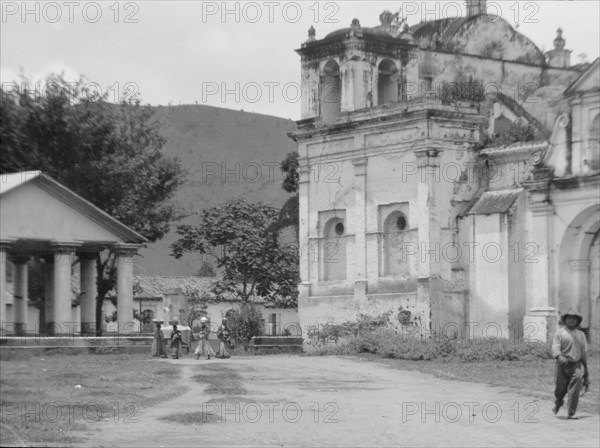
(228, 154)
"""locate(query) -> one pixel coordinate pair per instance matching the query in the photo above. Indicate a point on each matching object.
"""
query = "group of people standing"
(224, 335)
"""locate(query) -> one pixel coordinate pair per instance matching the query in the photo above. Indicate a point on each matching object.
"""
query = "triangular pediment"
(589, 80)
(36, 207)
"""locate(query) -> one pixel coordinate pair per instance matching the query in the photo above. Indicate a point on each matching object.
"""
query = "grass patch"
(192, 418)
(389, 344)
(42, 406)
(220, 380)
(527, 367)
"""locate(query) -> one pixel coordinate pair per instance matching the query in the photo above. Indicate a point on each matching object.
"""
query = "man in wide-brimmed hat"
(570, 350)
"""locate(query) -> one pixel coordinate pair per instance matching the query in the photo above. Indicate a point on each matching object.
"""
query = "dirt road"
(329, 401)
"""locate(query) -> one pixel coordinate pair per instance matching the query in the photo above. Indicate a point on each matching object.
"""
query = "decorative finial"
(406, 33)
(559, 42)
(311, 33)
(386, 18)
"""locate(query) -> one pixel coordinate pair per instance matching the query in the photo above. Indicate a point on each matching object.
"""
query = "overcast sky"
(237, 55)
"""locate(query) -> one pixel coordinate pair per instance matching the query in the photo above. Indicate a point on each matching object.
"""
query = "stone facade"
(416, 200)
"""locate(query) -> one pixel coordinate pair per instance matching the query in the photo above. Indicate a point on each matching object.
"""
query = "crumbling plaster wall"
(536, 88)
(393, 180)
(492, 37)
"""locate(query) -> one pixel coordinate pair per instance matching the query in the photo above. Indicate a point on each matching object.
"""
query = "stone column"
(49, 293)
(359, 226)
(125, 258)
(21, 295)
(88, 292)
(3, 254)
(60, 322)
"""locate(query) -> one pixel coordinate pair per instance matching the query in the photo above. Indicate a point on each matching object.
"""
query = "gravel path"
(341, 402)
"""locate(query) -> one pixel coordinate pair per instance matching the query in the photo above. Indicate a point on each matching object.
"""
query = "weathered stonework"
(408, 203)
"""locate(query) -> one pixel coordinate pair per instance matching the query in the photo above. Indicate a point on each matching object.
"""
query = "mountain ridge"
(228, 154)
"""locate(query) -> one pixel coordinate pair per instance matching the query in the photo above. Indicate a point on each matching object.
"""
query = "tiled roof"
(494, 202)
(152, 286)
(157, 286)
(515, 147)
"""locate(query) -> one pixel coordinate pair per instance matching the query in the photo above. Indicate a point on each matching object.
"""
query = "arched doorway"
(579, 269)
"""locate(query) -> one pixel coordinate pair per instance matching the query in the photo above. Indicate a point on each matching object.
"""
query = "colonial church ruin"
(449, 176)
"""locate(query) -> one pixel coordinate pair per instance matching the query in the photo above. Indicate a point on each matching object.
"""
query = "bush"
(245, 322)
(389, 344)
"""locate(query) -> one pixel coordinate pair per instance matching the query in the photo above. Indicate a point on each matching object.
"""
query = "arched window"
(147, 316)
(331, 91)
(387, 84)
(394, 248)
(334, 250)
(593, 145)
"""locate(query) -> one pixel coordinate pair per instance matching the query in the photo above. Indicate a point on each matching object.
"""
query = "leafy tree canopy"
(242, 238)
(110, 154)
(289, 212)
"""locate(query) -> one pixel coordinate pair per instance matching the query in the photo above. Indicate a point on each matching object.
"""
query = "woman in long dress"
(204, 347)
(224, 336)
(158, 345)
(176, 343)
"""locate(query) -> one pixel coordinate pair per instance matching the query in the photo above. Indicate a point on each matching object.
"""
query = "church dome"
(483, 35)
(388, 28)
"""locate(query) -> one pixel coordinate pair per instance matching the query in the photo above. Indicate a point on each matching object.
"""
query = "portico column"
(60, 322)
(21, 295)
(88, 292)
(3, 254)
(125, 260)
(49, 293)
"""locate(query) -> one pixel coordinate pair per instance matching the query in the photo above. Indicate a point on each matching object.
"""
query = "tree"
(110, 154)
(289, 213)
(242, 238)
(207, 270)
(197, 304)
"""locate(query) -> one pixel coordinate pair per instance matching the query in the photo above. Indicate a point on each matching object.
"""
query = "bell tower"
(476, 7)
(353, 68)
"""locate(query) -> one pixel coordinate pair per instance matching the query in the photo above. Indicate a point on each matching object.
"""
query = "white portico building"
(41, 218)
